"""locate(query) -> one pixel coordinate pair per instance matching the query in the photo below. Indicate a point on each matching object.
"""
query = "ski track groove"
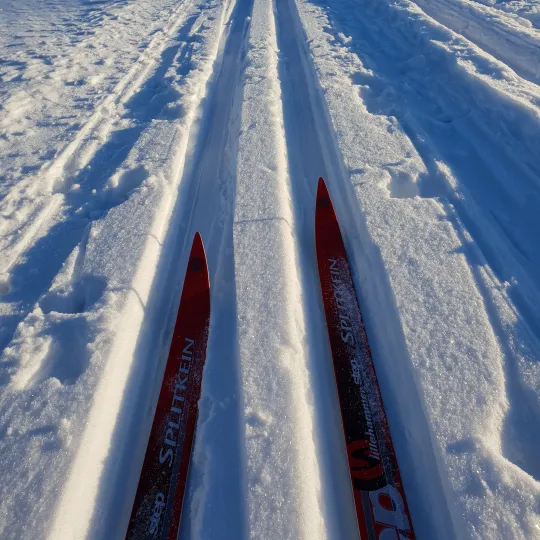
(209, 187)
(310, 133)
(206, 188)
(85, 460)
(307, 160)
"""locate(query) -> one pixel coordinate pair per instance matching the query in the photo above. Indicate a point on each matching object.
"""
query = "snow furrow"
(79, 353)
(450, 178)
(209, 185)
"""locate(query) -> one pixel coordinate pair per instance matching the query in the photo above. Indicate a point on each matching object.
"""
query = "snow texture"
(128, 125)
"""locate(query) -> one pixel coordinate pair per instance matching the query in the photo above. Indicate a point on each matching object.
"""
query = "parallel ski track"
(112, 502)
(313, 152)
(207, 190)
(205, 204)
(307, 146)
(493, 184)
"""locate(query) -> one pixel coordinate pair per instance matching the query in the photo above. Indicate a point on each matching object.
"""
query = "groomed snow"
(127, 125)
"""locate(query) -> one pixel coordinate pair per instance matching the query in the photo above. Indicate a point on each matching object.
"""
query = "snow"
(415, 211)
(126, 126)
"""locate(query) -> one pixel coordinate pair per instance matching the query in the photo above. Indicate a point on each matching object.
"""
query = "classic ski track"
(206, 189)
(388, 36)
(311, 154)
(72, 510)
(314, 136)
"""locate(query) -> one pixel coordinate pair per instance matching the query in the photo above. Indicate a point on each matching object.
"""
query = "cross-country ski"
(158, 502)
(381, 507)
(129, 128)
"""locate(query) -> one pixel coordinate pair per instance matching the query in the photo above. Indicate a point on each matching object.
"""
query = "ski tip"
(197, 257)
(197, 247)
(323, 198)
(197, 240)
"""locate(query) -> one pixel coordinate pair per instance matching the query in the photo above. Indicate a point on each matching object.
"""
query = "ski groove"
(309, 131)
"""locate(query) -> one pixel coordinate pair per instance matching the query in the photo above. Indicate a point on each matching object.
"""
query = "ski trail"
(306, 152)
(313, 152)
(451, 129)
(217, 477)
(424, 118)
(204, 204)
(140, 191)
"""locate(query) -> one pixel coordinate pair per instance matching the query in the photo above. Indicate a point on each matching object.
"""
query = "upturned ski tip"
(322, 190)
(197, 248)
(325, 209)
(322, 193)
(197, 258)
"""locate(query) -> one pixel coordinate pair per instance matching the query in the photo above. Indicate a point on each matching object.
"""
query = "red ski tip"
(197, 257)
(325, 209)
(322, 190)
(159, 499)
(197, 248)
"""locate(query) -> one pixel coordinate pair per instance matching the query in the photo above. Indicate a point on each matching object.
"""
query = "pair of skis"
(377, 489)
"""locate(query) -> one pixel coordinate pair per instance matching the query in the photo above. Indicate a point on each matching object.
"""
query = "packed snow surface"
(128, 125)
